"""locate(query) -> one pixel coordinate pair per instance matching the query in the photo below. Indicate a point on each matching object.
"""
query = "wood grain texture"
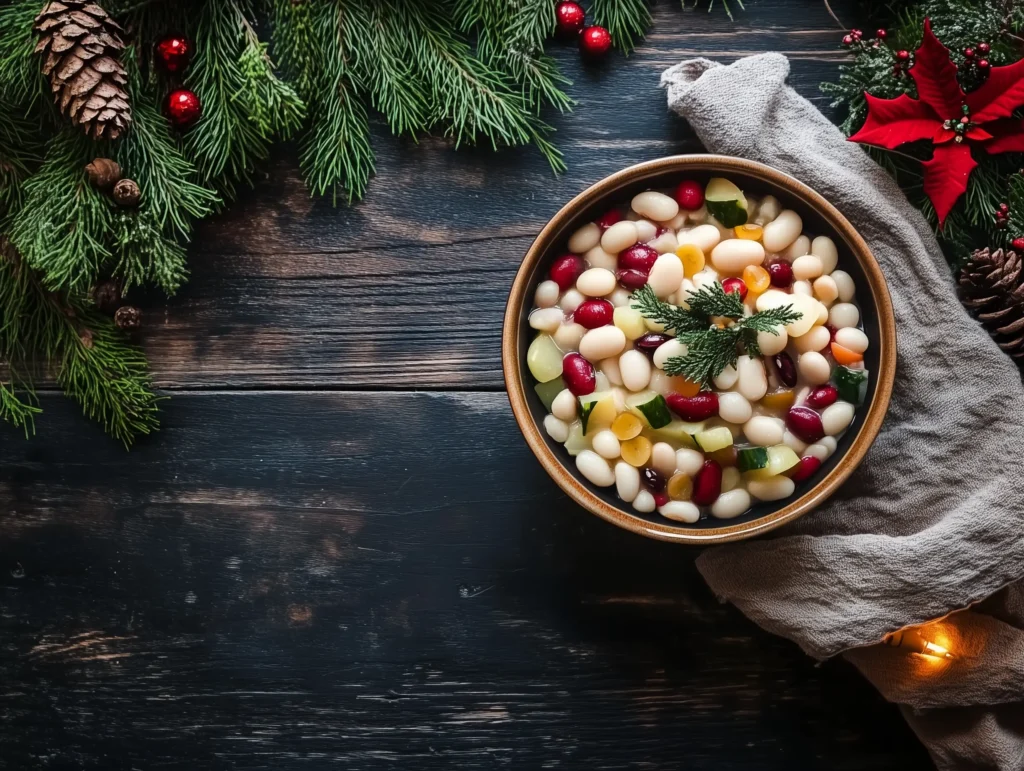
(371, 581)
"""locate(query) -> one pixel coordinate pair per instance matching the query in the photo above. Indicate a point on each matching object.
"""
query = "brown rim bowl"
(820, 218)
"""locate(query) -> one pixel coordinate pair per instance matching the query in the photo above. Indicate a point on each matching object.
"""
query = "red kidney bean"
(690, 195)
(831, 333)
(735, 285)
(780, 273)
(822, 396)
(653, 481)
(566, 269)
(806, 468)
(805, 423)
(631, 279)
(660, 499)
(694, 408)
(591, 314)
(662, 230)
(578, 374)
(639, 257)
(608, 219)
(651, 342)
(786, 368)
(707, 485)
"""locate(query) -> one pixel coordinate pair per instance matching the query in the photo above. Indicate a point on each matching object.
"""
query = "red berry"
(805, 469)
(690, 195)
(1004, 207)
(631, 279)
(707, 485)
(595, 41)
(1018, 244)
(983, 64)
(857, 34)
(968, 53)
(694, 408)
(173, 53)
(565, 270)
(786, 368)
(881, 34)
(781, 273)
(804, 423)
(984, 48)
(660, 499)
(822, 396)
(903, 56)
(735, 285)
(608, 219)
(639, 257)
(653, 481)
(847, 40)
(662, 230)
(592, 314)
(578, 374)
(651, 342)
(569, 18)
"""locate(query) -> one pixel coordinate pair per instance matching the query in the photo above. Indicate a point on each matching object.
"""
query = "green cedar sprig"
(710, 347)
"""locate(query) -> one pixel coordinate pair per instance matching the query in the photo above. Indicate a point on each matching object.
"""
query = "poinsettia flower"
(950, 119)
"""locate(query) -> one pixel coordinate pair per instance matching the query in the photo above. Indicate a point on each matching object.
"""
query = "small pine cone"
(990, 287)
(127, 193)
(103, 173)
(128, 318)
(107, 296)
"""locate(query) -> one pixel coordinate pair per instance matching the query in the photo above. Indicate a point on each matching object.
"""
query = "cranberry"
(639, 257)
(651, 342)
(831, 333)
(662, 230)
(690, 195)
(781, 273)
(735, 285)
(660, 499)
(653, 481)
(786, 368)
(578, 374)
(631, 279)
(707, 485)
(822, 396)
(591, 314)
(565, 270)
(805, 423)
(608, 219)
(694, 408)
(805, 469)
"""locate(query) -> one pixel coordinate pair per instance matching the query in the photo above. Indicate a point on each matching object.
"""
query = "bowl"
(821, 218)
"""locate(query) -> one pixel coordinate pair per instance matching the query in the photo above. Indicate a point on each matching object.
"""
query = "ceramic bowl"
(820, 218)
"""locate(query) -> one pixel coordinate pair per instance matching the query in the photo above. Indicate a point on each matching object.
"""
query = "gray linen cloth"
(933, 520)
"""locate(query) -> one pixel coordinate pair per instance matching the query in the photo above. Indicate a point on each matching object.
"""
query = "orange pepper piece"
(845, 355)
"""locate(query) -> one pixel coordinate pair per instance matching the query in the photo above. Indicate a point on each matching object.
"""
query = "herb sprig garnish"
(710, 347)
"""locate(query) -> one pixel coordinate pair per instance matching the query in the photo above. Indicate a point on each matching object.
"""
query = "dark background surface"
(339, 551)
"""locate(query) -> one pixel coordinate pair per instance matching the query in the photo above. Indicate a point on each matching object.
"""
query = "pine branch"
(21, 151)
(19, 411)
(143, 254)
(672, 317)
(626, 20)
(21, 81)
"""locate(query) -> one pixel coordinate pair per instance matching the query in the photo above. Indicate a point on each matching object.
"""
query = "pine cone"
(990, 287)
(127, 193)
(128, 317)
(107, 296)
(82, 46)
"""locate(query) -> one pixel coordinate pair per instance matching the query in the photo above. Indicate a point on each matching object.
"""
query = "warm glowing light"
(913, 641)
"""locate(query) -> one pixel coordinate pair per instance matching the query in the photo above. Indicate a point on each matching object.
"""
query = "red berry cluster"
(570, 19)
(1018, 245)
(901, 63)
(1002, 216)
(976, 59)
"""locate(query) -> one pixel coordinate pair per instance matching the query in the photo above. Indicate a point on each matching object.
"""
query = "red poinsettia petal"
(978, 134)
(1002, 91)
(1007, 136)
(893, 122)
(935, 76)
(945, 176)
(943, 135)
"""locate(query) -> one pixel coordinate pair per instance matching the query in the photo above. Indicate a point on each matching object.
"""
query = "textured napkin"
(933, 520)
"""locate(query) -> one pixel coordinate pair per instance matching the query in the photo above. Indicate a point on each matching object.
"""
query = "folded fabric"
(933, 520)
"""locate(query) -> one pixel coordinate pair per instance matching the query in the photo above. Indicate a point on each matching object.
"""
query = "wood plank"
(360, 580)
(407, 288)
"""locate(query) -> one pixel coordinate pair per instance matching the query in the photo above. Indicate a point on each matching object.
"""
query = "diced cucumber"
(544, 359)
(577, 442)
(651, 406)
(852, 384)
(752, 458)
(781, 458)
(726, 202)
(597, 410)
(549, 390)
(678, 431)
(714, 439)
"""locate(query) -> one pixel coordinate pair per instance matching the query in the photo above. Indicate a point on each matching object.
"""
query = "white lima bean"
(825, 249)
(619, 236)
(546, 295)
(667, 274)
(689, 461)
(794, 443)
(595, 468)
(764, 430)
(663, 459)
(599, 258)
(606, 444)
(814, 368)
(635, 368)
(730, 478)
(601, 382)
(698, 215)
(816, 339)
(596, 282)
(571, 300)
(825, 289)
(568, 336)
(677, 222)
(836, 417)
(733, 255)
(829, 443)
(806, 268)
(798, 248)
(660, 383)
(602, 342)
(557, 429)
(817, 450)
(753, 383)
(656, 206)
(733, 408)
(680, 511)
(704, 278)
(630, 321)
(727, 377)
(620, 297)
(547, 319)
(610, 368)
(848, 337)
(774, 489)
(803, 287)
(845, 285)
(771, 344)
(731, 504)
(644, 502)
(768, 211)
(563, 406)
(704, 237)
(822, 313)
(645, 231)
(627, 481)
(668, 350)
(782, 231)
(665, 243)
(585, 239)
(844, 315)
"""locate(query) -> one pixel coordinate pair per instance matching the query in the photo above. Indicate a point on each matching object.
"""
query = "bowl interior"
(752, 182)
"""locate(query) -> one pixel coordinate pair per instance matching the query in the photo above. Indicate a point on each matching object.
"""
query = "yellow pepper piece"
(756, 278)
(683, 386)
(627, 426)
(692, 258)
(748, 232)
(680, 487)
(779, 400)
(637, 451)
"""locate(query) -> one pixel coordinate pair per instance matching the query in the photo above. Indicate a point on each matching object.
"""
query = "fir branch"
(273, 105)
(712, 300)
(708, 352)
(21, 81)
(143, 254)
(19, 411)
(672, 317)
(21, 151)
(625, 20)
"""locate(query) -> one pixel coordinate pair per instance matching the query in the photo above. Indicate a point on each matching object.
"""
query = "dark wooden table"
(339, 552)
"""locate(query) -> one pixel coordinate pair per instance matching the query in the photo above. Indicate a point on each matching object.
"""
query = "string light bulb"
(911, 640)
